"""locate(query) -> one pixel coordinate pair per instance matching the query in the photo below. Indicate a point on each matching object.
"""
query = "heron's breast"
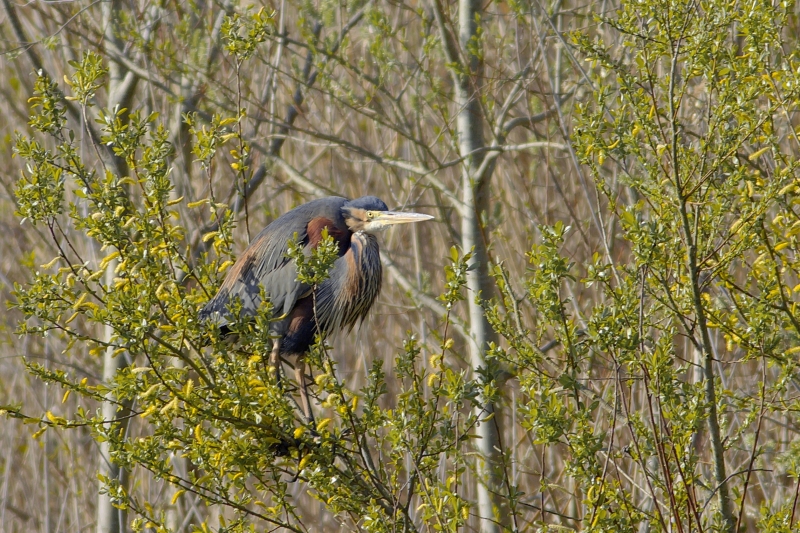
(363, 279)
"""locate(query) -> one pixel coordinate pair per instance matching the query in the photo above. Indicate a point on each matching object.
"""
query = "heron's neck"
(365, 249)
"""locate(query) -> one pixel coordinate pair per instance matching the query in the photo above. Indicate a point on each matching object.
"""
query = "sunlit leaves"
(47, 111)
(691, 108)
(188, 395)
(87, 77)
(243, 33)
(315, 269)
(40, 192)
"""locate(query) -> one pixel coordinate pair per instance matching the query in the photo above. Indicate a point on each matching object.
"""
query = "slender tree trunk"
(490, 464)
(474, 195)
(121, 86)
(109, 518)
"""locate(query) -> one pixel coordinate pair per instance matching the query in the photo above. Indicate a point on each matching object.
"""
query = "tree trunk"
(109, 518)
(474, 195)
(121, 86)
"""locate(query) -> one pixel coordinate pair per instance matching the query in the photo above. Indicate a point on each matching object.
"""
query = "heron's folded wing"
(265, 264)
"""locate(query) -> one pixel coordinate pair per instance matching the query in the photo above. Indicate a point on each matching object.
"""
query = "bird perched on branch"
(341, 301)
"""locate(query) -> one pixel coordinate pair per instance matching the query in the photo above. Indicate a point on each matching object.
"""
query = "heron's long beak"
(388, 218)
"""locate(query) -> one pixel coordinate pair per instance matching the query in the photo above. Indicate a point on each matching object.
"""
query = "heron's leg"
(275, 359)
(300, 376)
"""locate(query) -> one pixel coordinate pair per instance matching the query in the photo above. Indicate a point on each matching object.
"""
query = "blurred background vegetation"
(598, 331)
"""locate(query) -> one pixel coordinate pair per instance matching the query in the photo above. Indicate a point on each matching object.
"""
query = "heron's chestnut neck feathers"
(354, 283)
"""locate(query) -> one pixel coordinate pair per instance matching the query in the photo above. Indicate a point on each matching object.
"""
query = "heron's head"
(371, 215)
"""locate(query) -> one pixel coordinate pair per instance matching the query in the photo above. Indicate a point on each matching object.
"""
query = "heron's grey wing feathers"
(265, 264)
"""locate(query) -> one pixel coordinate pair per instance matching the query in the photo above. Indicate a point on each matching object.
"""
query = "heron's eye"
(370, 214)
